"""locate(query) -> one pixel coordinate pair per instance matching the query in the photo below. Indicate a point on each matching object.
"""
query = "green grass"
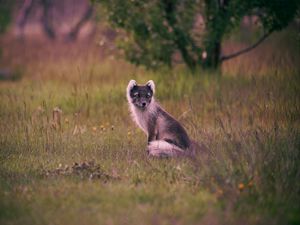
(249, 124)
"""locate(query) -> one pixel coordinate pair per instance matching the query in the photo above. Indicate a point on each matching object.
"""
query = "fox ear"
(151, 84)
(131, 84)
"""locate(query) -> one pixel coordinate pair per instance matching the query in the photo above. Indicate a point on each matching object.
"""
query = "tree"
(5, 18)
(157, 29)
(5, 14)
(49, 9)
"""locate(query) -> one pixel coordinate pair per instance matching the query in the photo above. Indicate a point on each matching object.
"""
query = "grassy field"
(85, 163)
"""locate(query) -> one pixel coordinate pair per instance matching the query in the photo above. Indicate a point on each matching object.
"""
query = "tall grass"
(248, 124)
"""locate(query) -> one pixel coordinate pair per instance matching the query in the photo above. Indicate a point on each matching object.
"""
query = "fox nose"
(144, 104)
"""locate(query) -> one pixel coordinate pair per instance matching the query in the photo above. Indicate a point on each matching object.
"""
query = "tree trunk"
(216, 22)
(211, 57)
(23, 16)
(181, 38)
(189, 61)
(47, 19)
(84, 19)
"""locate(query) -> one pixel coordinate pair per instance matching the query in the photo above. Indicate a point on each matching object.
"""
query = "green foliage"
(155, 30)
(5, 14)
(276, 15)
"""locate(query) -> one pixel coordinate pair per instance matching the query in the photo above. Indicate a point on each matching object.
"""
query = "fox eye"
(136, 94)
(148, 95)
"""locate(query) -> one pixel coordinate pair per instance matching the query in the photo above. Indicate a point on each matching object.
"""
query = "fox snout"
(143, 104)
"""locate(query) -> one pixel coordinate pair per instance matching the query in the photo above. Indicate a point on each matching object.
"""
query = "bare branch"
(46, 19)
(24, 13)
(85, 18)
(233, 55)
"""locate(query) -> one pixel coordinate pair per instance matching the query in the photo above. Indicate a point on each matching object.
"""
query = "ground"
(70, 154)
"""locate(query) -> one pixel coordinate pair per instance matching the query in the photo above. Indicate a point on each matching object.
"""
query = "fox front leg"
(151, 136)
(151, 132)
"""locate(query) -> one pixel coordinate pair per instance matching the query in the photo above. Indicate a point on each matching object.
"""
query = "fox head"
(140, 95)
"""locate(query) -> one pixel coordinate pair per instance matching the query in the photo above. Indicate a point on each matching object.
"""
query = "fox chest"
(142, 119)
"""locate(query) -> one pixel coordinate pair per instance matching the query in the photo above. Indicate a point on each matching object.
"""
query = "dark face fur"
(141, 96)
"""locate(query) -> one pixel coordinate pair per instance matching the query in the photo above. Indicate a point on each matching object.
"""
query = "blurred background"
(151, 35)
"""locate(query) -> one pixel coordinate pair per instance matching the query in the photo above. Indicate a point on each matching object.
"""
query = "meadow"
(70, 154)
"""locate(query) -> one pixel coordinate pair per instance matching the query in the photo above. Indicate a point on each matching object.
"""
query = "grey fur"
(166, 136)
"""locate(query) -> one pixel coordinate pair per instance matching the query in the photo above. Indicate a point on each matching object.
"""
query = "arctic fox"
(166, 136)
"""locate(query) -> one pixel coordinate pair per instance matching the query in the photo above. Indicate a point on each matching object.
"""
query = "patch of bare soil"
(85, 170)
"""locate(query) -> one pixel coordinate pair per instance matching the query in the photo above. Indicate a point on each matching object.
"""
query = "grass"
(249, 122)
